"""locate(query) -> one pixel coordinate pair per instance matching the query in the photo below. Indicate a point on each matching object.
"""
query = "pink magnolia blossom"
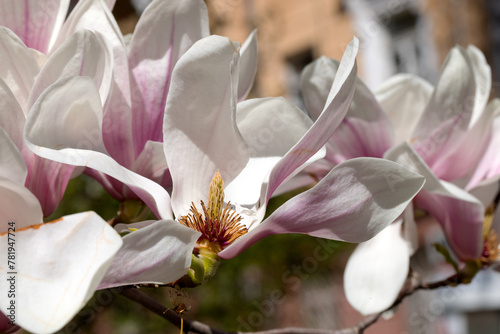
(205, 131)
(31, 61)
(446, 133)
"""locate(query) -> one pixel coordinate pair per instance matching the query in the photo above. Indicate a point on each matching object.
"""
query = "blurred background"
(294, 280)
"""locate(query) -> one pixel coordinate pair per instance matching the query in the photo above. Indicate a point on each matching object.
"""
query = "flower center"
(219, 225)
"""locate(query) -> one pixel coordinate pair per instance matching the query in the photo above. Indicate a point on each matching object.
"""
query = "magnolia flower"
(53, 268)
(441, 133)
(26, 72)
(221, 182)
(133, 112)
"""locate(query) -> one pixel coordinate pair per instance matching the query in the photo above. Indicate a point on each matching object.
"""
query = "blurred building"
(411, 36)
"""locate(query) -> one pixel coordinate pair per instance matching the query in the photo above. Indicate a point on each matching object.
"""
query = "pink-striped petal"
(336, 107)
(449, 111)
(37, 23)
(460, 214)
(159, 253)
(166, 30)
(353, 203)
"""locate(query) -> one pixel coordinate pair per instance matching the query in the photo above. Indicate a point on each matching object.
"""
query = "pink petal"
(488, 168)
(159, 253)
(165, 31)
(460, 214)
(366, 131)
(353, 203)
(35, 22)
(336, 107)
(449, 111)
(462, 222)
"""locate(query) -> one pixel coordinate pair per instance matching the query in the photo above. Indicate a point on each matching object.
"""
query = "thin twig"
(191, 326)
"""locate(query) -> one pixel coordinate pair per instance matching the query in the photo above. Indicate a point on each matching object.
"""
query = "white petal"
(404, 98)
(159, 253)
(151, 162)
(377, 270)
(271, 126)
(12, 165)
(316, 81)
(83, 53)
(95, 15)
(58, 265)
(482, 76)
(248, 65)
(18, 67)
(200, 134)
(18, 205)
(12, 118)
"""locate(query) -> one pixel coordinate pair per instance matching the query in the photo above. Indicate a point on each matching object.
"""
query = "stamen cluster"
(219, 226)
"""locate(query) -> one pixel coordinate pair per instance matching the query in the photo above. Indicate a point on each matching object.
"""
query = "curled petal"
(460, 214)
(248, 67)
(159, 253)
(336, 107)
(449, 111)
(353, 203)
